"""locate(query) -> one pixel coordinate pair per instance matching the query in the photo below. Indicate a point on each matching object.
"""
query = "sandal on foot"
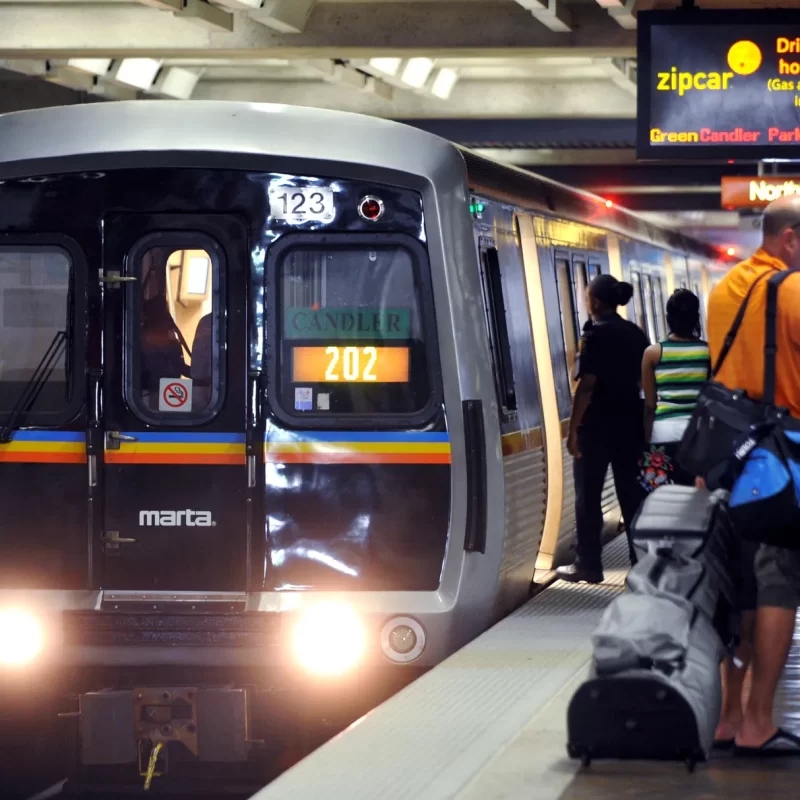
(723, 744)
(781, 743)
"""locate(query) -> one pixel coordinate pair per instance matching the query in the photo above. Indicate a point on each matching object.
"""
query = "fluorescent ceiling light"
(444, 82)
(138, 72)
(388, 66)
(94, 66)
(416, 72)
(177, 82)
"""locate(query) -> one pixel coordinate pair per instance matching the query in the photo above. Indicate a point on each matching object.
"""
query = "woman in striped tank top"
(673, 372)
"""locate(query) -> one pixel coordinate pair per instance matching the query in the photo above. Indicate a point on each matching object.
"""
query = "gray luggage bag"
(654, 688)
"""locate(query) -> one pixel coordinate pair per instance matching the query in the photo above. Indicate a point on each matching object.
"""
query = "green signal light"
(477, 208)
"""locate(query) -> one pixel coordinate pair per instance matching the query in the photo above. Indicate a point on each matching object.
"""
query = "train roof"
(549, 197)
(106, 135)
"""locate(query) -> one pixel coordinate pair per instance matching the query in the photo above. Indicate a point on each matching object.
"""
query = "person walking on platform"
(673, 372)
(777, 571)
(605, 426)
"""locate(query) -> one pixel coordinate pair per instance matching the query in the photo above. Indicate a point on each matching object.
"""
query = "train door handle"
(112, 540)
(114, 438)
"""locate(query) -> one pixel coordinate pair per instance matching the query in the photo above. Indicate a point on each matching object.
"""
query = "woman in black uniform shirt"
(606, 423)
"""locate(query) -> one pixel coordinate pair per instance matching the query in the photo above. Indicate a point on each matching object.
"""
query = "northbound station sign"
(757, 192)
(718, 84)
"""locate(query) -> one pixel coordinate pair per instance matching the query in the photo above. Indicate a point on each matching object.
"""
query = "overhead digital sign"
(718, 84)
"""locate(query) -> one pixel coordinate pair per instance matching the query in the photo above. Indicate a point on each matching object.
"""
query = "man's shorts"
(748, 586)
(777, 573)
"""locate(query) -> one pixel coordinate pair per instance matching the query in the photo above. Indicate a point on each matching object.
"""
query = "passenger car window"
(568, 318)
(638, 305)
(36, 329)
(658, 299)
(177, 333)
(649, 308)
(580, 281)
(498, 329)
(353, 338)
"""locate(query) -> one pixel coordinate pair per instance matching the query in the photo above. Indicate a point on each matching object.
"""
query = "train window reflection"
(36, 328)
(658, 296)
(176, 343)
(567, 314)
(638, 305)
(580, 279)
(649, 308)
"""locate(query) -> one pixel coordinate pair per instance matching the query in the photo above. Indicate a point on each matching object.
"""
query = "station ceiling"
(544, 84)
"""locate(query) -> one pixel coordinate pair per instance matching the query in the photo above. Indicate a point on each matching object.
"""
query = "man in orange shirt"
(777, 571)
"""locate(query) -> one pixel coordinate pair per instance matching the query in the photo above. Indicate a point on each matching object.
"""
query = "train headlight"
(402, 639)
(20, 637)
(329, 638)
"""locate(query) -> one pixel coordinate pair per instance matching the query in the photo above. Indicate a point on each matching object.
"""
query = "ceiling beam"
(469, 99)
(551, 13)
(589, 133)
(524, 157)
(333, 30)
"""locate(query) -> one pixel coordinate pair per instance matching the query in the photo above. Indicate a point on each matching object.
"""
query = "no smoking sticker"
(175, 394)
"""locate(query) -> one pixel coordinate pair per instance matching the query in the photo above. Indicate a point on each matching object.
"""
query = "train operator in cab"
(777, 570)
(606, 423)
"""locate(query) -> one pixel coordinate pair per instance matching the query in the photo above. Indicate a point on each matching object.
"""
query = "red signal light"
(731, 251)
(371, 208)
(609, 203)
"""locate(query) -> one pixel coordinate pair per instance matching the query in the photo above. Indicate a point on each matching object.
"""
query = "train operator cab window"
(37, 327)
(497, 322)
(176, 330)
(354, 328)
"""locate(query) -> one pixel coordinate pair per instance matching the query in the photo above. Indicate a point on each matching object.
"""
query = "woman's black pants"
(601, 447)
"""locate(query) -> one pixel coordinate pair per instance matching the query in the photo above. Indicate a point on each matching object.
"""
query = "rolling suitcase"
(654, 687)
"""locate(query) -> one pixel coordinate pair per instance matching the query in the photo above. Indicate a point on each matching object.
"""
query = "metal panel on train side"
(174, 475)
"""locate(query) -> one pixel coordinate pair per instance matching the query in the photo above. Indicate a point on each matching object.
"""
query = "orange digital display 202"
(336, 364)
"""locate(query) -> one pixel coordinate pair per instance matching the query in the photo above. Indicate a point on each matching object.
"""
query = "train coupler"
(199, 724)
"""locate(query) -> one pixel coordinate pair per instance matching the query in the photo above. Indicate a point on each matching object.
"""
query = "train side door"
(175, 482)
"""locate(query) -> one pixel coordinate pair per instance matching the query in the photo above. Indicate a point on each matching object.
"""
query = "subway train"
(284, 395)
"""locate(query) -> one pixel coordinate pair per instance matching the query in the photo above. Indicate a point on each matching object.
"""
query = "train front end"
(248, 468)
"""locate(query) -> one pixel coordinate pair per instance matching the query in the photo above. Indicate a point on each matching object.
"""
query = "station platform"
(490, 723)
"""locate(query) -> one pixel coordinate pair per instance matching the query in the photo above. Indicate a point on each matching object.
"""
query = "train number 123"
(356, 363)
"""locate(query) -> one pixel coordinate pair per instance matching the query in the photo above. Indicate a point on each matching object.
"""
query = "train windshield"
(36, 324)
(352, 331)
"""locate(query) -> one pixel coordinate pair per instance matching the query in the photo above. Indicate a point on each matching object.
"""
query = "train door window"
(37, 335)
(593, 271)
(658, 299)
(568, 316)
(638, 305)
(497, 322)
(354, 329)
(698, 292)
(580, 282)
(649, 308)
(176, 333)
